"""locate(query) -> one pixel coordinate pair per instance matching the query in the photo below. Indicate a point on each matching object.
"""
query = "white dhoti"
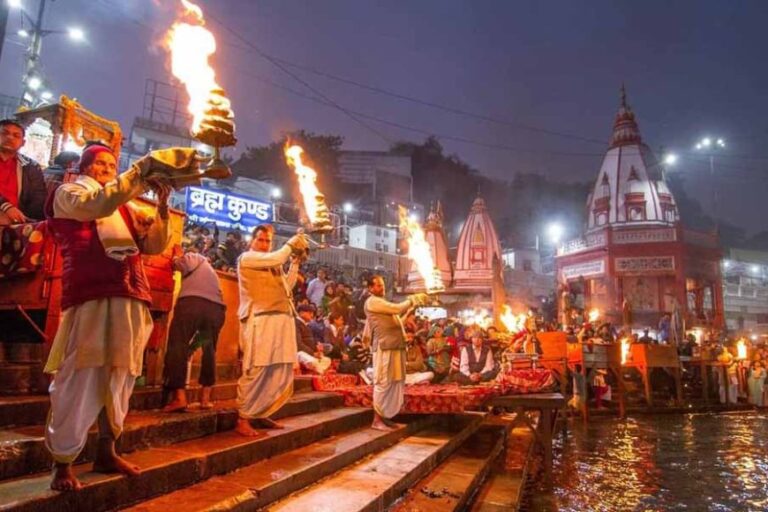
(388, 382)
(317, 365)
(96, 356)
(268, 343)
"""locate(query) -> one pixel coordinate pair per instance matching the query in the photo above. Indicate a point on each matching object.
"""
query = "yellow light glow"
(513, 323)
(741, 349)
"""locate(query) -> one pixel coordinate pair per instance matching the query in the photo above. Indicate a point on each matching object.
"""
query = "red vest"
(87, 272)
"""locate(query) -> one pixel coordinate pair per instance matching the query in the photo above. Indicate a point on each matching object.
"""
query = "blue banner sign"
(226, 210)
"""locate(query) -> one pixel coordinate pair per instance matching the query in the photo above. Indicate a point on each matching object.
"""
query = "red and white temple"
(469, 283)
(635, 261)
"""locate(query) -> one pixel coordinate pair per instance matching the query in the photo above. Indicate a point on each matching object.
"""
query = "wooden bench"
(548, 405)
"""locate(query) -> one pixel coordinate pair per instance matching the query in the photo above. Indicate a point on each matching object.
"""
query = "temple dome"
(630, 187)
(478, 244)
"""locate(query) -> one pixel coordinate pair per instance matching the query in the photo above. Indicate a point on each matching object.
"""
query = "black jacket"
(32, 190)
(305, 341)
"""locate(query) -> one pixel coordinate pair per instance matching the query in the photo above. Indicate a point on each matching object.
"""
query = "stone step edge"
(31, 409)
(478, 504)
(155, 428)
(432, 482)
(398, 487)
(167, 469)
(232, 494)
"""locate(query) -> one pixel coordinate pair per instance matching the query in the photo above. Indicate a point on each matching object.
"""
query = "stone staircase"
(21, 368)
(326, 458)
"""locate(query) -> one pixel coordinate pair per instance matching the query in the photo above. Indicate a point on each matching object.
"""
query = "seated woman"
(416, 371)
(476, 364)
(334, 336)
(439, 352)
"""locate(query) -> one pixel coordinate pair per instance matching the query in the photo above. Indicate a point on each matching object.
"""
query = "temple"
(470, 282)
(635, 260)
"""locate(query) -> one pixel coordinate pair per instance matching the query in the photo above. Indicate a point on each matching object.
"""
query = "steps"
(168, 468)
(376, 482)
(451, 486)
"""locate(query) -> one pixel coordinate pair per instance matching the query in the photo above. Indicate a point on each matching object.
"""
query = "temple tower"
(478, 245)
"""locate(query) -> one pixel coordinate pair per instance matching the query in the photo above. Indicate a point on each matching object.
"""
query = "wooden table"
(597, 356)
(548, 405)
(644, 357)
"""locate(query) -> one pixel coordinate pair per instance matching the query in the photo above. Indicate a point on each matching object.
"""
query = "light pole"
(33, 92)
(346, 209)
(709, 145)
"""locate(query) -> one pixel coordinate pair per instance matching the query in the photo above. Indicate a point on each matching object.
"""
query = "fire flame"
(741, 349)
(191, 44)
(307, 182)
(594, 314)
(420, 252)
(625, 348)
(513, 323)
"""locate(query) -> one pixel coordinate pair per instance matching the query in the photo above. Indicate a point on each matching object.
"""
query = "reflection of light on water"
(693, 461)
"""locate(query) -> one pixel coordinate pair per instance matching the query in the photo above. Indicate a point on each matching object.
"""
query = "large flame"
(191, 44)
(741, 349)
(594, 315)
(625, 348)
(513, 323)
(420, 252)
(307, 182)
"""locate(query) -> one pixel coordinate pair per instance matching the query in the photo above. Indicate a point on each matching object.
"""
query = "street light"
(555, 232)
(670, 159)
(36, 33)
(348, 207)
(276, 193)
(46, 95)
(709, 146)
(76, 34)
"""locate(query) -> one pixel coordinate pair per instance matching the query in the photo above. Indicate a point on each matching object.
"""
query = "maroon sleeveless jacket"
(87, 272)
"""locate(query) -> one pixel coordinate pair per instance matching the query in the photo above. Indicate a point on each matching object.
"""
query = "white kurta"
(98, 349)
(388, 365)
(268, 341)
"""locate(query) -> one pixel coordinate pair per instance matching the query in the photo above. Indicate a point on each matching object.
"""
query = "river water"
(688, 462)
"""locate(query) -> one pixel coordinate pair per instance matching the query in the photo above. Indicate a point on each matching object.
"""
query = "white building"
(373, 238)
(745, 288)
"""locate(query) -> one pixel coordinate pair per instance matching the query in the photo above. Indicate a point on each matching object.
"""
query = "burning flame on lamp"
(190, 45)
(513, 323)
(420, 252)
(313, 199)
(741, 349)
(625, 348)
(594, 314)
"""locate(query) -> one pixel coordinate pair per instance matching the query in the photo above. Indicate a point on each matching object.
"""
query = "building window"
(528, 265)
(378, 231)
(386, 248)
(378, 246)
(601, 218)
(386, 234)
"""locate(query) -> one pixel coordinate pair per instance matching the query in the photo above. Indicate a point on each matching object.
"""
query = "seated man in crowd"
(22, 186)
(357, 360)
(309, 352)
(416, 371)
(476, 364)
(333, 337)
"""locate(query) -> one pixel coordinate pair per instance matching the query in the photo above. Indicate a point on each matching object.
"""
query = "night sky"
(691, 69)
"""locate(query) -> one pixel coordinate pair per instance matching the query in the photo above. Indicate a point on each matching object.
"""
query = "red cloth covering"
(440, 398)
(21, 248)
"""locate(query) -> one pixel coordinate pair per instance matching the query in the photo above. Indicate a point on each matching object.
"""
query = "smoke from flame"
(191, 45)
(307, 181)
(419, 252)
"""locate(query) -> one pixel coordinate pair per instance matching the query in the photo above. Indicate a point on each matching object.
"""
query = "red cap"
(89, 155)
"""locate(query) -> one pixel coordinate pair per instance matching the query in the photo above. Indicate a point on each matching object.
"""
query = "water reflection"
(692, 462)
